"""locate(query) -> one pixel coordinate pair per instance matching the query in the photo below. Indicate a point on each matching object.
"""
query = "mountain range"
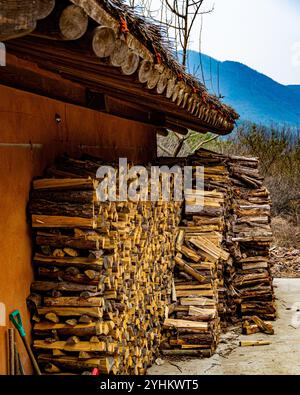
(256, 97)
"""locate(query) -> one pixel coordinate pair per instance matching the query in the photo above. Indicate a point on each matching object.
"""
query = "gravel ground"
(281, 357)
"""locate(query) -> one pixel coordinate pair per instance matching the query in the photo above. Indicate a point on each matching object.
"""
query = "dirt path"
(281, 357)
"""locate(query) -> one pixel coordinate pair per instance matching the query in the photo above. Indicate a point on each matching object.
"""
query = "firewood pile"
(193, 326)
(103, 274)
(247, 215)
(215, 219)
(250, 237)
(116, 281)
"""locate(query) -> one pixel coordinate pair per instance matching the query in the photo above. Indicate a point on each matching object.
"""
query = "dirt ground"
(282, 357)
(285, 262)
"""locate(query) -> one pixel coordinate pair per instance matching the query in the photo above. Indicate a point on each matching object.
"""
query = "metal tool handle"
(16, 319)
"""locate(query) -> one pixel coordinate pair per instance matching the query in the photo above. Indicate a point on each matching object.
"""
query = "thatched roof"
(153, 36)
(184, 100)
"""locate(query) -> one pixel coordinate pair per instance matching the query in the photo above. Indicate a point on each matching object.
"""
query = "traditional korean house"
(82, 76)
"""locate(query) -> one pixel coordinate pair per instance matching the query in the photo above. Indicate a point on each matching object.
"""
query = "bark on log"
(61, 241)
(77, 310)
(103, 363)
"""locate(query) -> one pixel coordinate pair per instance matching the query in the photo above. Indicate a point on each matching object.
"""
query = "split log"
(65, 184)
(254, 343)
(103, 363)
(191, 353)
(76, 196)
(184, 324)
(46, 286)
(80, 262)
(73, 301)
(263, 326)
(91, 329)
(188, 269)
(62, 241)
(94, 312)
(63, 209)
(189, 253)
(62, 345)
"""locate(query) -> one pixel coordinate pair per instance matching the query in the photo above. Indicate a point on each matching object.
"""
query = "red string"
(158, 57)
(123, 26)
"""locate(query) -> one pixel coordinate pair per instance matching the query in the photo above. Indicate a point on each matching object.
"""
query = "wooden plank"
(55, 221)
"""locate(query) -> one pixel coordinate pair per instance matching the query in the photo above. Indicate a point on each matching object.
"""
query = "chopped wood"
(121, 279)
(109, 280)
(254, 343)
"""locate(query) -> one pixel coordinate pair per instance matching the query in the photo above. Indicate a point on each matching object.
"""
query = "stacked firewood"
(117, 280)
(217, 183)
(235, 216)
(194, 324)
(251, 237)
(103, 274)
(247, 231)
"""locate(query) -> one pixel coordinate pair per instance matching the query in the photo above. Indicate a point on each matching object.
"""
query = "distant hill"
(294, 88)
(255, 96)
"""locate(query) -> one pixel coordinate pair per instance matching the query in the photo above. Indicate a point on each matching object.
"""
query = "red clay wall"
(25, 119)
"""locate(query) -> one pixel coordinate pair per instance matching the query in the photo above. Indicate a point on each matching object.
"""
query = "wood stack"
(247, 233)
(103, 274)
(213, 220)
(251, 236)
(194, 323)
(105, 293)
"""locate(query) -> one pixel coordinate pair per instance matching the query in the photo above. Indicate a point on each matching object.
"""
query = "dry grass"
(286, 234)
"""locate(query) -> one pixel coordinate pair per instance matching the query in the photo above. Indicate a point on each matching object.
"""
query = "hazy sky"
(263, 34)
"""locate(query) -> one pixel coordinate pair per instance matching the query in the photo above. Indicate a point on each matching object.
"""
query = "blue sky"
(263, 34)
